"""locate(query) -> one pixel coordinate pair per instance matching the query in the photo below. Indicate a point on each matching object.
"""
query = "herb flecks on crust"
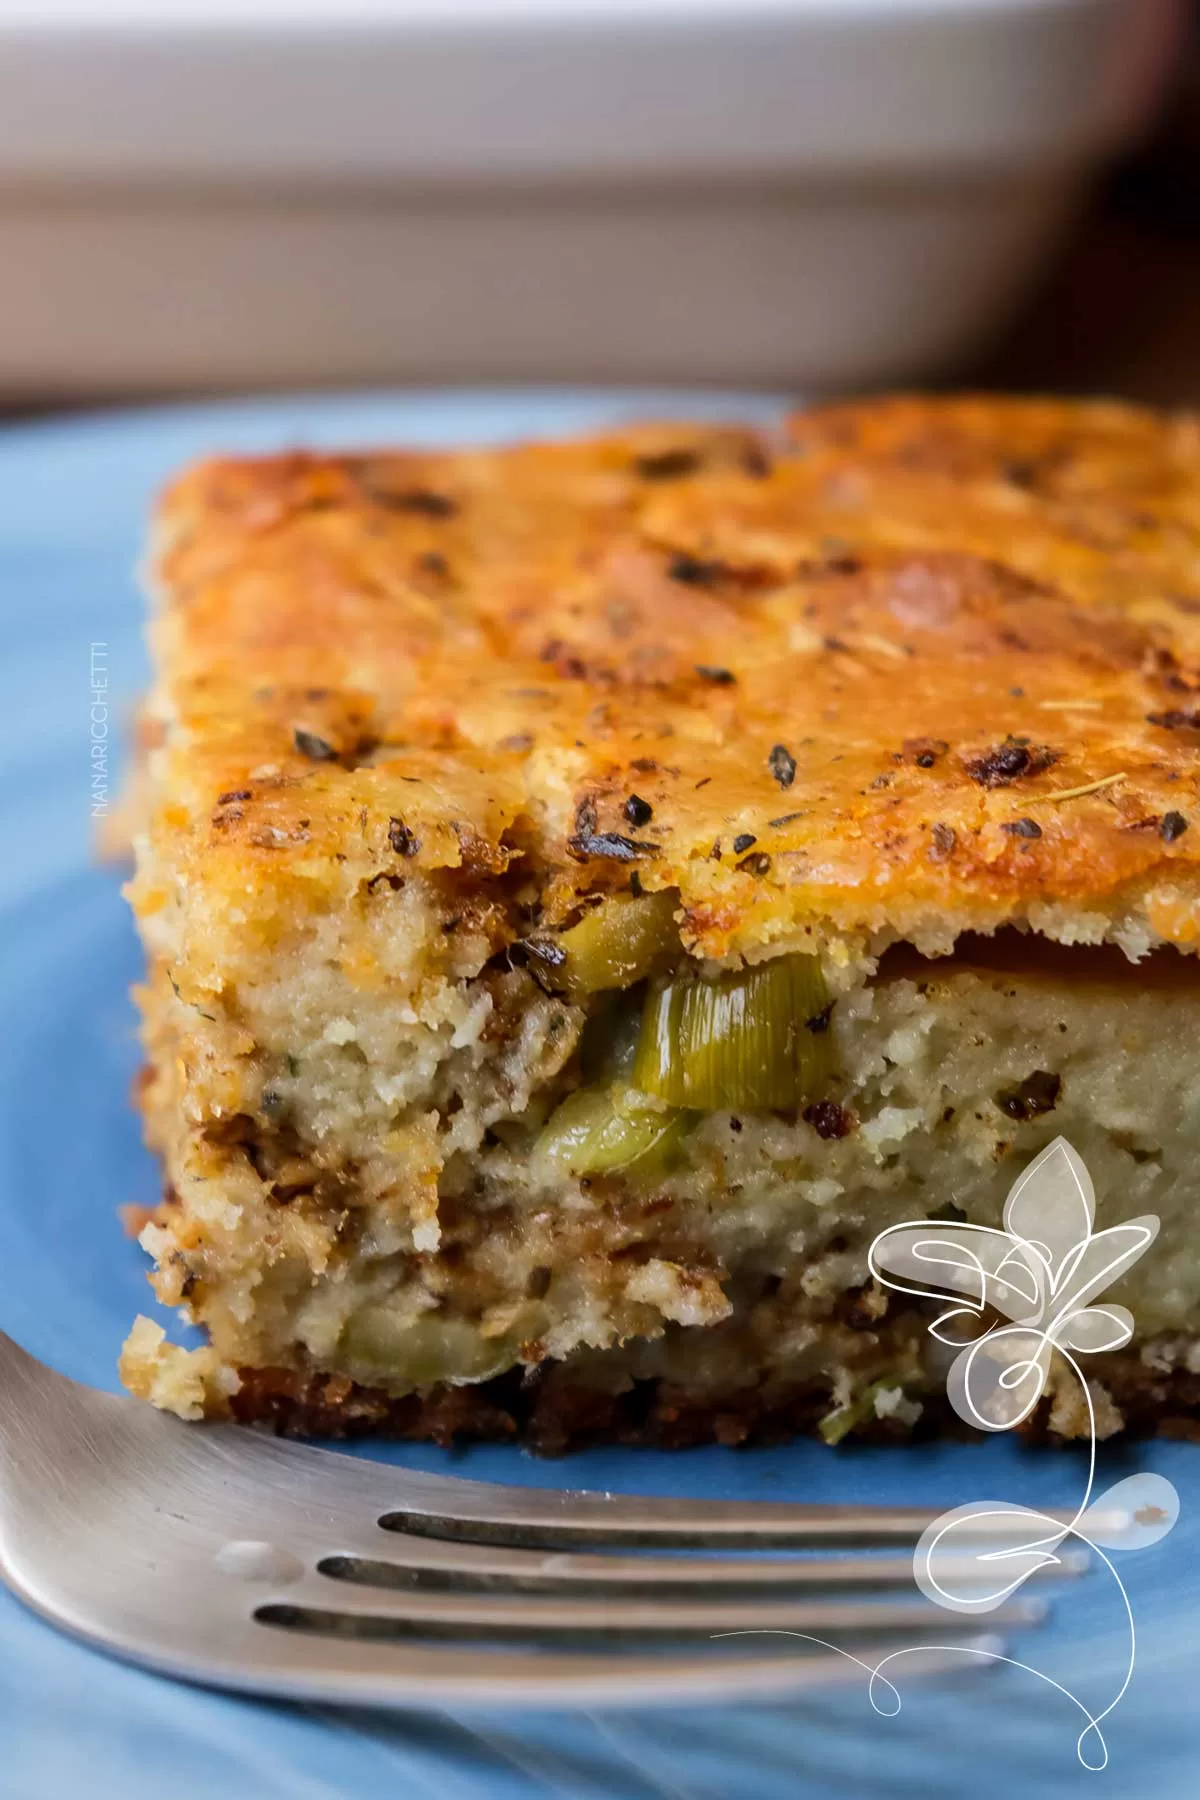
(867, 611)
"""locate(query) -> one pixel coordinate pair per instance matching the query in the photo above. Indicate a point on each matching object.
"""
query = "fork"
(223, 1556)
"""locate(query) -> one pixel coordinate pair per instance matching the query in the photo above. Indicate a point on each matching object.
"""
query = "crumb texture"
(740, 1271)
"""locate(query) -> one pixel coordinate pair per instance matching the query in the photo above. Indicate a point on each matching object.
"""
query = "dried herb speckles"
(1171, 826)
(1022, 828)
(567, 663)
(317, 749)
(695, 571)
(743, 841)
(1013, 760)
(426, 502)
(1175, 719)
(923, 752)
(942, 841)
(668, 465)
(782, 765)
(542, 956)
(403, 841)
(610, 846)
(717, 676)
(1029, 1099)
(233, 796)
(829, 1120)
(639, 812)
(757, 863)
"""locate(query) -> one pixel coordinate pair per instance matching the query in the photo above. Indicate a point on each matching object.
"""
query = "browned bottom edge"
(549, 1411)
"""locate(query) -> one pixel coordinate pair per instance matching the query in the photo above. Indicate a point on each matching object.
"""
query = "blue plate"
(73, 496)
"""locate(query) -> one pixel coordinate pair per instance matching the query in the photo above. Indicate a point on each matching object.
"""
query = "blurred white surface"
(453, 90)
(815, 191)
(251, 12)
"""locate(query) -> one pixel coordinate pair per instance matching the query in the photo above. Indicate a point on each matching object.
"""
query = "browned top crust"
(914, 667)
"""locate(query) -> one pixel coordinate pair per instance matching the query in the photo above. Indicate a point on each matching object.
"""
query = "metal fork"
(222, 1556)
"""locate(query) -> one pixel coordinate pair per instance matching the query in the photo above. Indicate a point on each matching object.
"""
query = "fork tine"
(421, 1564)
(544, 1519)
(317, 1603)
(427, 1674)
(365, 1672)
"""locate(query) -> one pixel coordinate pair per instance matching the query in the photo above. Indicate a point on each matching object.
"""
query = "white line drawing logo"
(1045, 1273)
(1042, 1271)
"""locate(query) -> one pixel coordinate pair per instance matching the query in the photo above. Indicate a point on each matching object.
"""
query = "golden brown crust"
(889, 649)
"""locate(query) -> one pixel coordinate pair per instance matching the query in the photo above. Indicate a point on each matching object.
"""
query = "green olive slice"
(405, 1355)
(620, 941)
(603, 1130)
(755, 1038)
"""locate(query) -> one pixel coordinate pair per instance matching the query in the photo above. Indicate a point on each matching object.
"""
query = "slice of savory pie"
(591, 889)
